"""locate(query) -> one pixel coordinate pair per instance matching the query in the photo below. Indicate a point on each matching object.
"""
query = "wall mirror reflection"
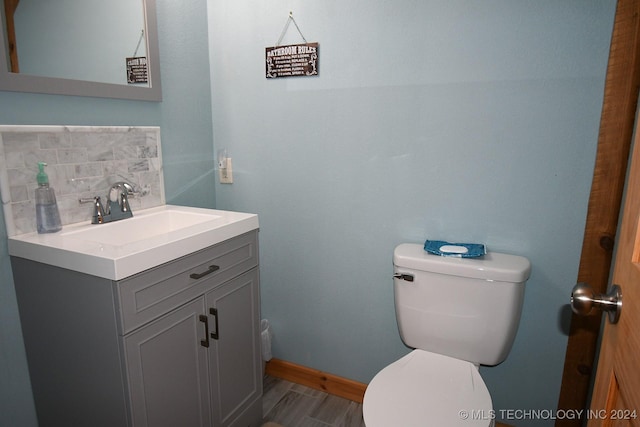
(81, 47)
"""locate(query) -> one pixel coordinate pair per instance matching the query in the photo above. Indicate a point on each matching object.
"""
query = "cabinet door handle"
(214, 313)
(204, 319)
(211, 269)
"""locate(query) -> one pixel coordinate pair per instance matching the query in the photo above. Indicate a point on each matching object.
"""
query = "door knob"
(584, 300)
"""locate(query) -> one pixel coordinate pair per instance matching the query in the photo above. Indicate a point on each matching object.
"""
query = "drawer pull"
(214, 313)
(204, 319)
(211, 269)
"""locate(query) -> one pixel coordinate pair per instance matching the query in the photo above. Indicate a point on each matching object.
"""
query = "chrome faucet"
(117, 204)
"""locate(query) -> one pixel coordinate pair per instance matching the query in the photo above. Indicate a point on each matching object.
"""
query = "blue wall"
(184, 116)
(454, 120)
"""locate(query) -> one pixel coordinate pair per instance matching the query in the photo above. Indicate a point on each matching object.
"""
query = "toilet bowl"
(428, 389)
(456, 314)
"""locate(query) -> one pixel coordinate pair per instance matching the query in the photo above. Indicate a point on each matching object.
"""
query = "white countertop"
(92, 248)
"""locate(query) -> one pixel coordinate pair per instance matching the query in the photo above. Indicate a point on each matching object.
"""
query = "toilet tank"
(466, 308)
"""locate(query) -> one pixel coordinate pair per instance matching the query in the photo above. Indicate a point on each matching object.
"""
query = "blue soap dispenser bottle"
(47, 213)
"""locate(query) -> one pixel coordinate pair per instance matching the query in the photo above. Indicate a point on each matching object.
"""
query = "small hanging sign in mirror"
(137, 65)
(137, 70)
(292, 60)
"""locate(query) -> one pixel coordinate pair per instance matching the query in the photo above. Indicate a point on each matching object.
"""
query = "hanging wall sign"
(137, 70)
(292, 60)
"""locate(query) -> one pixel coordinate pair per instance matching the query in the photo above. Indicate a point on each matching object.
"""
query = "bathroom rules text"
(292, 60)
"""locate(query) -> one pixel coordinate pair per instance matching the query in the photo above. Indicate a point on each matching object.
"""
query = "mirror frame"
(16, 82)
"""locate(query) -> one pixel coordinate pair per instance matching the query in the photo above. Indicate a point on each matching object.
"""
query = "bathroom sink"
(129, 246)
(142, 226)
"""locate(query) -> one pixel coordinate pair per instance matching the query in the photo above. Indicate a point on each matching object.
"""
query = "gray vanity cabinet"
(177, 345)
(167, 370)
(235, 372)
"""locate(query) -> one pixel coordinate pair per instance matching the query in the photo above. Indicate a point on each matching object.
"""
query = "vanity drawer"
(154, 292)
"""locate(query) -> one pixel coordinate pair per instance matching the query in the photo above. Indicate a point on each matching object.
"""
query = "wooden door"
(605, 202)
(616, 395)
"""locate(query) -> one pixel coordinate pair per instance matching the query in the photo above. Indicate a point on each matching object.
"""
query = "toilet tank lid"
(492, 266)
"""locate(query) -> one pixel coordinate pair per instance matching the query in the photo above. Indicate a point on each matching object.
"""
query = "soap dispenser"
(47, 214)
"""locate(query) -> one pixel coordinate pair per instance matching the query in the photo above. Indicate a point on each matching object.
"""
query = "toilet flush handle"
(407, 277)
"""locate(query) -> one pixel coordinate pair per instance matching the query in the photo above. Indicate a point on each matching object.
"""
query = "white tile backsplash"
(83, 162)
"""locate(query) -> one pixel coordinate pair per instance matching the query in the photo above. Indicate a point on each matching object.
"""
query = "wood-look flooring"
(294, 405)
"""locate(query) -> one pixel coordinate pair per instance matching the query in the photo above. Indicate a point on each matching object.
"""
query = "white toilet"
(457, 313)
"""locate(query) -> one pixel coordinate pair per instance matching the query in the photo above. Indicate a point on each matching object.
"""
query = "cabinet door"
(168, 370)
(235, 358)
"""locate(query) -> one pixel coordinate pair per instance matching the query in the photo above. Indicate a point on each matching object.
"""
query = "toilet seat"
(428, 389)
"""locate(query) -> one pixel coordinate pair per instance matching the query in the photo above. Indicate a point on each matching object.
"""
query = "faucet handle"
(98, 210)
(124, 203)
(118, 197)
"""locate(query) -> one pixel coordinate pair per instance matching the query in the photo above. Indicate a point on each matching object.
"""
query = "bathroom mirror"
(119, 32)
